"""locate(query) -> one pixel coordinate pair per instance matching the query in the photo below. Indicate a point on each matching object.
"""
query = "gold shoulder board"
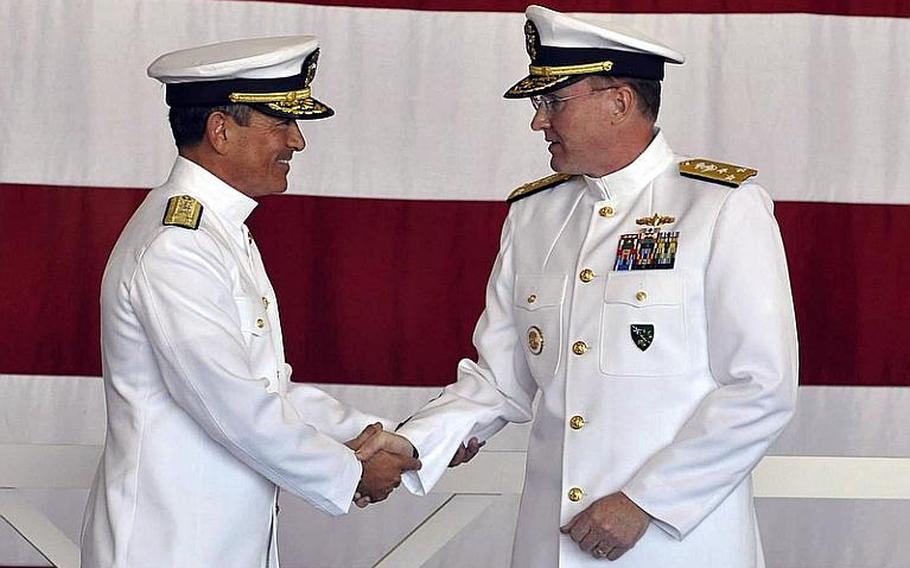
(717, 172)
(183, 211)
(537, 186)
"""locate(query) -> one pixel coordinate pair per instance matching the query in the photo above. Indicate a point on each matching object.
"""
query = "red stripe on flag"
(378, 291)
(888, 8)
(849, 269)
(54, 247)
(388, 291)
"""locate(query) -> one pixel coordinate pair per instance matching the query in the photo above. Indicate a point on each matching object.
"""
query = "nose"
(540, 120)
(295, 137)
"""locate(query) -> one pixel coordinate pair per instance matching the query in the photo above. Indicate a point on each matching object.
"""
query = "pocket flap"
(252, 315)
(641, 289)
(535, 291)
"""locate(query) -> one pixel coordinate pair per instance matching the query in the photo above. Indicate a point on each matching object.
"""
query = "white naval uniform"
(203, 424)
(679, 426)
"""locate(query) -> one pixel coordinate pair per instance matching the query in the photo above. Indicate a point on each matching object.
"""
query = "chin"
(279, 186)
(561, 167)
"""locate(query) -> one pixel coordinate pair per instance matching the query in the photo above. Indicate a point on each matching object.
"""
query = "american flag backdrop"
(380, 250)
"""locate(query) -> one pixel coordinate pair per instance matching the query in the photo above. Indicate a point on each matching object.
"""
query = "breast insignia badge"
(655, 220)
(642, 335)
(183, 211)
(649, 248)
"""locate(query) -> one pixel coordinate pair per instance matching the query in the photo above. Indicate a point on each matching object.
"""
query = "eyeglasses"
(553, 103)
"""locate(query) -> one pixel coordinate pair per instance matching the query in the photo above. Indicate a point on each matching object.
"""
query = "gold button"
(579, 347)
(260, 323)
(607, 211)
(575, 494)
(265, 302)
(586, 275)
(532, 298)
(577, 422)
(641, 295)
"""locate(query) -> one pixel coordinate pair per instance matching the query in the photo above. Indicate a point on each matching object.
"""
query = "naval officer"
(644, 294)
(204, 424)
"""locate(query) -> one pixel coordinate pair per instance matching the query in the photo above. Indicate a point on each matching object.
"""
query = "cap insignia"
(310, 66)
(532, 40)
(536, 186)
(717, 172)
(183, 211)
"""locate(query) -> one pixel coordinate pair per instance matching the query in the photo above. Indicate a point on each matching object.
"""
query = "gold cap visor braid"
(298, 105)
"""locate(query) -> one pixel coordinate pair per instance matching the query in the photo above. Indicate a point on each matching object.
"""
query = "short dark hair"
(188, 123)
(646, 90)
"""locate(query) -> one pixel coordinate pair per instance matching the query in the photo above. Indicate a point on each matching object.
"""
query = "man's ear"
(217, 126)
(623, 103)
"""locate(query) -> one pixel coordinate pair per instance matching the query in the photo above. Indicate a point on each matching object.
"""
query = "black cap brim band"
(218, 93)
(557, 67)
(622, 63)
(214, 93)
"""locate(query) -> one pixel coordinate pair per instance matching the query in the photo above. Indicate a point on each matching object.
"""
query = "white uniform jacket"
(667, 384)
(202, 421)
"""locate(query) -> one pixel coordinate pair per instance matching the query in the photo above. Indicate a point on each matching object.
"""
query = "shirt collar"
(656, 157)
(218, 197)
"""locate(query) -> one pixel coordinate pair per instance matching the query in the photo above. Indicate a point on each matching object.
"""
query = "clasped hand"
(384, 456)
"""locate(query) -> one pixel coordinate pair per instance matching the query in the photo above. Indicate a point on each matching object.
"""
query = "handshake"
(385, 456)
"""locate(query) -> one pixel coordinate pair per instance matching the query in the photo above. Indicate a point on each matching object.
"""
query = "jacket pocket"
(643, 327)
(253, 320)
(538, 307)
(256, 331)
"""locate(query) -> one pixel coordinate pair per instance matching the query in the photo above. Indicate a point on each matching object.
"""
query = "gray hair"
(647, 91)
(188, 123)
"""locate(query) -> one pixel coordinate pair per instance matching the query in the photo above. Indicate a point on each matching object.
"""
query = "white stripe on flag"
(809, 100)
(69, 410)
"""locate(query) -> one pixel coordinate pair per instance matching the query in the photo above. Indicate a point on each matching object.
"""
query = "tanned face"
(260, 152)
